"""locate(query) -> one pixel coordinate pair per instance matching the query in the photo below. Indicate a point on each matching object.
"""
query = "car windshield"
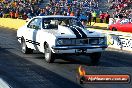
(52, 23)
(125, 21)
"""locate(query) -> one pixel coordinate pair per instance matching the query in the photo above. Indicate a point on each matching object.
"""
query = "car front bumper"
(79, 49)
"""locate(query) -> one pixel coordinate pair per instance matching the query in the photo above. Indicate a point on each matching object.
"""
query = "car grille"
(86, 41)
(93, 41)
(81, 41)
(90, 41)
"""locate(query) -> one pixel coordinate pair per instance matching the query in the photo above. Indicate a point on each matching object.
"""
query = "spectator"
(83, 18)
(24, 16)
(32, 14)
(16, 14)
(107, 16)
(120, 16)
(102, 16)
(64, 13)
(1, 13)
(72, 13)
(130, 15)
(12, 14)
(78, 14)
(55, 13)
(94, 15)
(68, 13)
(42, 13)
(112, 21)
(89, 17)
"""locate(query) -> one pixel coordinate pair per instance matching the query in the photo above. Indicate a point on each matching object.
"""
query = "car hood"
(73, 32)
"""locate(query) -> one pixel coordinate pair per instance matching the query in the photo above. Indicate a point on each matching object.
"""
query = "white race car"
(59, 35)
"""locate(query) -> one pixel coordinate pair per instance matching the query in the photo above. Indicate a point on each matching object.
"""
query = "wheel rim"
(47, 52)
(23, 46)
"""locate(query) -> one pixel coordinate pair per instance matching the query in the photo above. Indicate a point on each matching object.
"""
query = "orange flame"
(81, 70)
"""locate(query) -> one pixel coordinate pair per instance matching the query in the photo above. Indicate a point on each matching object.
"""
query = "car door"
(124, 25)
(128, 27)
(32, 29)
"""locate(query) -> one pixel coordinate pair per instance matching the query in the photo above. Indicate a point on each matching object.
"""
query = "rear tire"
(24, 47)
(114, 29)
(49, 55)
(95, 58)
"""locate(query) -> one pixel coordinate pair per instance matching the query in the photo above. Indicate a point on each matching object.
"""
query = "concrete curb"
(11, 23)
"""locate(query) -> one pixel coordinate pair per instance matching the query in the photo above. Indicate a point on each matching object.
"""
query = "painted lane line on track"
(4, 84)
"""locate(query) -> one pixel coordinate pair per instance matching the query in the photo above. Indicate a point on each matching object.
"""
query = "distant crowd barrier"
(117, 40)
(11, 23)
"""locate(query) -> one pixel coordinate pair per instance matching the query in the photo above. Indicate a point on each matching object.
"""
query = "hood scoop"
(62, 33)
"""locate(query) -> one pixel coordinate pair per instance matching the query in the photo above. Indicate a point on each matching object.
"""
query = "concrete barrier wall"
(11, 23)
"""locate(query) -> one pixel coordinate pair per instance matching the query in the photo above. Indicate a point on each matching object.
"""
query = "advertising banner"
(117, 40)
(120, 42)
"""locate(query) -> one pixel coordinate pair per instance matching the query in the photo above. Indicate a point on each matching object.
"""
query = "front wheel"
(114, 29)
(49, 55)
(25, 49)
(95, 57)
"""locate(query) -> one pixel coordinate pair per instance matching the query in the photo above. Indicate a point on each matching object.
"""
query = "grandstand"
(103, 5)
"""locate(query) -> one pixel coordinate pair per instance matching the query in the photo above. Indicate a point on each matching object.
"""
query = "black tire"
(114, 29)
(48, 54)
(24, 47)
(95, 57)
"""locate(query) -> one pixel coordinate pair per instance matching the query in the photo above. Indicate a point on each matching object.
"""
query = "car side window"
(35, 24)
(49, 24)
(125, 21)
(38, 23)
(31, 23)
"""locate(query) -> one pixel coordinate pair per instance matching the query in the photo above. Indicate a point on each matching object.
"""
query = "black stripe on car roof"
(81, 31)
(77, 33)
